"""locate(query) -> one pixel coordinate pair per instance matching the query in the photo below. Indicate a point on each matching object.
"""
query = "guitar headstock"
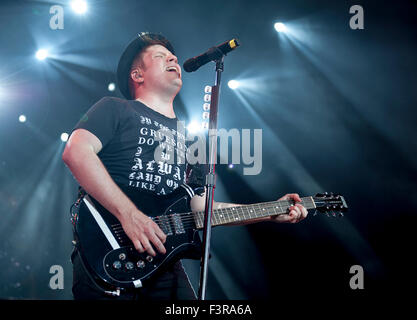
(330, 203)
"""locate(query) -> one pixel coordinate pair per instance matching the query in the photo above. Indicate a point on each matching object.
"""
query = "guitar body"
(109, 255)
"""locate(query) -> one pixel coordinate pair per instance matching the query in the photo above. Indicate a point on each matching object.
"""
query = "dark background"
(337, 109)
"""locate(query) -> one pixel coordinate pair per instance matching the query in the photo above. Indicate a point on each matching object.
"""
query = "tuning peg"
(340, 215)
(333, 214)
(327, 214)
(315, 213)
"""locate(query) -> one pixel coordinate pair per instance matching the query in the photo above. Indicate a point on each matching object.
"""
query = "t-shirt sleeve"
(102, 120)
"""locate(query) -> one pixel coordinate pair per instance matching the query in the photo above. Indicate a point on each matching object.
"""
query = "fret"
(258, 210)
(244, 211)
(220, 214)
(214, 218)
(223, 215)
(239, 212)
(250, 212)
(233, 215)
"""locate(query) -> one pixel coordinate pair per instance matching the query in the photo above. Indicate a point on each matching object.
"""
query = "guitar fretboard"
(252, 211)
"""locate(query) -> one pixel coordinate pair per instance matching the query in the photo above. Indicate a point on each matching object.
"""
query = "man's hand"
(296, 212)
(143, 231)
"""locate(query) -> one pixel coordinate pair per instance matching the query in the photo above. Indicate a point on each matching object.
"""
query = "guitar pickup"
(177, 222)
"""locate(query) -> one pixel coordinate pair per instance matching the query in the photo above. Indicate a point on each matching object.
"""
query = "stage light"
(233, 84)
(111, 86)
(79, 6)
(193, 127)
(22, 118)
(41, 54)
(64, 137)
(280, 27)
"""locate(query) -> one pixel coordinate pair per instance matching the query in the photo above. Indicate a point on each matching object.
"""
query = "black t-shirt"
(142, 148)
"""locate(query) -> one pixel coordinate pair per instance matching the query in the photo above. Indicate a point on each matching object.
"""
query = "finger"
(160, 234)
(158, 244)
(304, 211)
(138, 246)
(285, 218)
(295, 213)
(295, 197)
(291, 196)
(147, 245)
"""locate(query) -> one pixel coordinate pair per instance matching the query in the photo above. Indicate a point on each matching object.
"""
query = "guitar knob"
(140, 264)
(129, 265)
(117, 265)
(122, 256)
(149, 258)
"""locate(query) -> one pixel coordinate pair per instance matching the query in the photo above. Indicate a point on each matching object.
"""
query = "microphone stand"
(210, 178)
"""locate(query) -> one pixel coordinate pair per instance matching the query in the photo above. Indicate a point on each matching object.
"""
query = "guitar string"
(191, 220)
(191, 223)
(232, 214)
(238, 210)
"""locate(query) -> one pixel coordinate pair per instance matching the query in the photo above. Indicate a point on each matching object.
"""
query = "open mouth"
(172, 69)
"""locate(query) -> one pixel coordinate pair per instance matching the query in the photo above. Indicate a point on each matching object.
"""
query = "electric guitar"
(110, 257)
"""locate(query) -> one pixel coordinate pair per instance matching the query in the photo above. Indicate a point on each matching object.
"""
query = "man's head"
(147, 61)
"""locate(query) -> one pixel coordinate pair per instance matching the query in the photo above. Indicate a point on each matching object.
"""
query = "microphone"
(211, 54)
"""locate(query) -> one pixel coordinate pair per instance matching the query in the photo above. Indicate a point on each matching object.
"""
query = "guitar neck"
(252, 211)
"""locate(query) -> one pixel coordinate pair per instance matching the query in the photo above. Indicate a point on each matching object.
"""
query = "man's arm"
(80, 155)
(296, 212)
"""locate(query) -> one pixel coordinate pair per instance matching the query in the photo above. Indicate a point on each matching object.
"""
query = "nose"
(172, 58)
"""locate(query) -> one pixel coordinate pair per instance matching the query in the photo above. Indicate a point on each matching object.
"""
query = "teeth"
(172, 69)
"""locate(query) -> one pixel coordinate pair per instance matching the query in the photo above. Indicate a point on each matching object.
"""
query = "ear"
(136, 75)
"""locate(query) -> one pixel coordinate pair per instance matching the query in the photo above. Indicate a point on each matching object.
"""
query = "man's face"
(161, 69)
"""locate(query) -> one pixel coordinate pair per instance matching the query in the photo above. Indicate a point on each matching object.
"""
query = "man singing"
(112, 148)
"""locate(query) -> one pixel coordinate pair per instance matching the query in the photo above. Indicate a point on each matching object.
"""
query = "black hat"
(140, 42)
